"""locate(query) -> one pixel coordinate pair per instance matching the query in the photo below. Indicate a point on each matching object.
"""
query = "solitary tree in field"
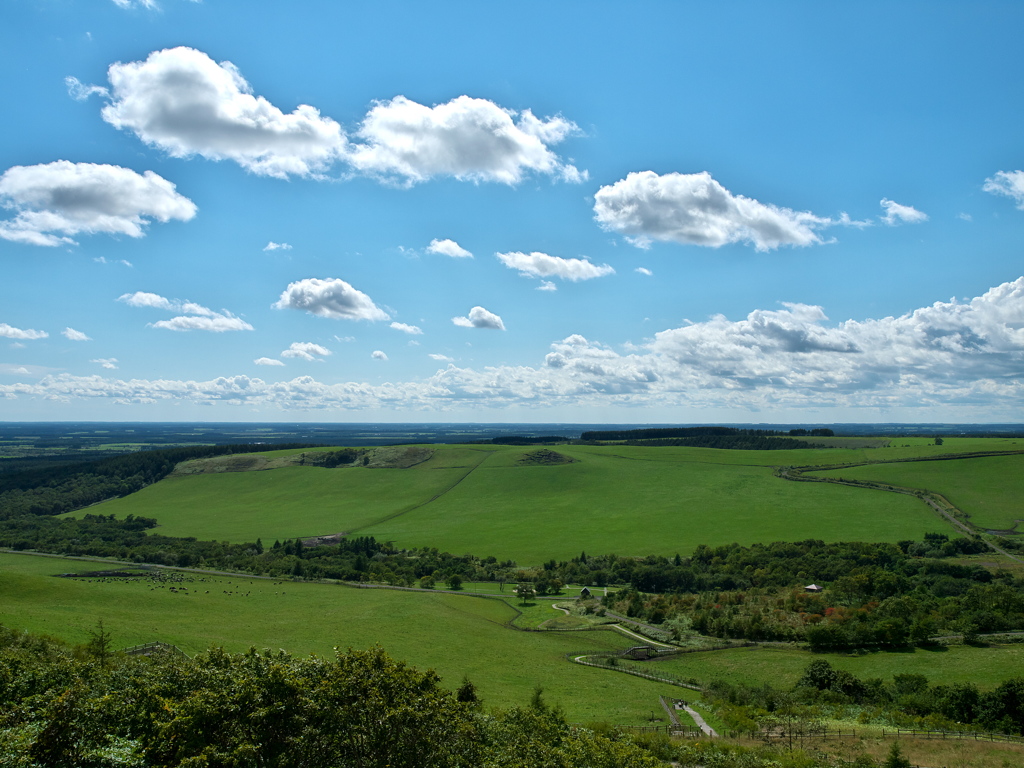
(526, 592)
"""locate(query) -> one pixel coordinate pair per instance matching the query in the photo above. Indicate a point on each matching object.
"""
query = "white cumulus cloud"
(55, 201)
(218, 323)
(440, 357)
(480, 318)
(10, 332)
(378, 355)
(306, 350)
(542, 265)
(962, 357)
(72, 335)
(448, 248)
(267, 361)
(110, 363)
(643, 271)
(1008, 183)
(468, 138)
(900, 214)
(272, 246)
(413, 330)
(185, 103)
(547, 285)
(331, 298)
(195, 318)
(694, 209)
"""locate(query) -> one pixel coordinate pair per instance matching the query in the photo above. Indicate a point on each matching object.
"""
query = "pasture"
(782, 667)
(453, 634)
(988, 489)
(483, 500)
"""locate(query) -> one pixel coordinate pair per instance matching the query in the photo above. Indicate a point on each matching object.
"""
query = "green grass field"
(455, 635)
(988, 489)
(782, 667)
(481, 500)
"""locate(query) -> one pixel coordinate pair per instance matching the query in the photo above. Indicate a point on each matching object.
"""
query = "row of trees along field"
(711, 437)
(878, 595)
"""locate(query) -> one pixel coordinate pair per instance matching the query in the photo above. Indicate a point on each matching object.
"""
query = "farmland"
(453, 634)
(480, 499)
(526, 506)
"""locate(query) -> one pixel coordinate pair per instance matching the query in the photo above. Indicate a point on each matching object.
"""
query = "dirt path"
(699, 720)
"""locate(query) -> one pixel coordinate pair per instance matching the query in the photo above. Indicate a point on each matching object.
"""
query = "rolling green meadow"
(482, 500)
(782, 667)
(492, 500)
(455, 635)
(988, 489)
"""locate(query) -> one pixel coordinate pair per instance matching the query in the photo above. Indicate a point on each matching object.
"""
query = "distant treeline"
(528, 440)
(64, 488)
(730, 442)
(695, 432)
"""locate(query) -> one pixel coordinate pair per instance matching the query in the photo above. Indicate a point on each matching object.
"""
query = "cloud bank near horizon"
(948, 354)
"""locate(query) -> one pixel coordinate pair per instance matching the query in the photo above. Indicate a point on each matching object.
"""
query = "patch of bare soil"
(385, 457)
(545, 457)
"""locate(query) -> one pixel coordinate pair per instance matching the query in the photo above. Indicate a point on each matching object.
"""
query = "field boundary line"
(418, 505)
(934, 500)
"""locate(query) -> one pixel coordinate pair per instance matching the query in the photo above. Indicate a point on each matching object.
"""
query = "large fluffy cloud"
(195, 317)
(467, 138)
(1008, 183)
(480, 318)
(958, 356)
(694, 209)
(331, 298)
(184, 102)
(60, 199)
(542, 265)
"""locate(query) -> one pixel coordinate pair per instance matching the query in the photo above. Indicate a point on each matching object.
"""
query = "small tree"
(896, 758)
(454, 582)
(526, 592)
(467, 692)
(100, 644)
(427, 582)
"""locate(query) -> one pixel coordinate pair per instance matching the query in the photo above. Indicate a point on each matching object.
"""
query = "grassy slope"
(782, 667)
(988, 489)
(643, 501)
(288, 502)
(453, 634)
(621, 499)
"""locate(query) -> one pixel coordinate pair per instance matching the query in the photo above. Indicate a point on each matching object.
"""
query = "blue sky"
(581, 212)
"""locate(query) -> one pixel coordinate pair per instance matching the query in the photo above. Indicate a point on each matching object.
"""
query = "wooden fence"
(975, 735)
(151, 649)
